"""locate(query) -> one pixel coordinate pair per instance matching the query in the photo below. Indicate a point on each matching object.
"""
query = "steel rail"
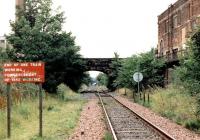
(156, 128)
(108, 119)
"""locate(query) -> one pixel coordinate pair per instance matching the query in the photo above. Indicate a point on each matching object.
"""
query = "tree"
(189, 71)
(115, 66)
(102, 79)
(87, 80)
(188, 74)
(150, 67)
(37, 36)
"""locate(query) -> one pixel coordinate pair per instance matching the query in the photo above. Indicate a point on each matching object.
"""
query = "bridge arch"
(102, 65)
(99, 64)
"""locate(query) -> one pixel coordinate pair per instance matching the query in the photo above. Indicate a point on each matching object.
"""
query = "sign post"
(8, 111)
(26, 72)
(40, 110)
(137, 77)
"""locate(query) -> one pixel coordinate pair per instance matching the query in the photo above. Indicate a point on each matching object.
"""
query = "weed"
(107, 136)
(24, 111)
(50, 108)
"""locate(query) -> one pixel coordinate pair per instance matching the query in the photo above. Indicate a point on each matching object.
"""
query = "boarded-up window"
(175, 21)
(183, 35)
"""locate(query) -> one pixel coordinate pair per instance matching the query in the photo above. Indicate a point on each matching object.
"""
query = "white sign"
(137, 77)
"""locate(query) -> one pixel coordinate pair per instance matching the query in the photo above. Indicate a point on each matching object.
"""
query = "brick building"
(175, 26)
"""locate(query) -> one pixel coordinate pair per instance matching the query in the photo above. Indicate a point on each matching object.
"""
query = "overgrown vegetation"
(60, 117)
(115, 66)
(188, 74)
(145, 63)
(174, 103)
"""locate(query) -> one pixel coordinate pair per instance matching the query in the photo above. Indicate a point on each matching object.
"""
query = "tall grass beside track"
(175, 104)
(60, 117)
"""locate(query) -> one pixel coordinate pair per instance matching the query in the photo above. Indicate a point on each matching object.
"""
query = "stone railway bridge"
(99, 64)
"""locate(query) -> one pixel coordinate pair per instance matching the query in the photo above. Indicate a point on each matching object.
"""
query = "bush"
(65, 93)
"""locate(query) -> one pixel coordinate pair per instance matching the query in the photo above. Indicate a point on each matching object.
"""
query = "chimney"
(20, 3)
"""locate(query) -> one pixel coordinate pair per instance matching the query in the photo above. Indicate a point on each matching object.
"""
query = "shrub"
(193, 125)
(65, 93)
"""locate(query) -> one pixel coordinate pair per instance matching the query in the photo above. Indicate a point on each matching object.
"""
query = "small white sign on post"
(137, 77)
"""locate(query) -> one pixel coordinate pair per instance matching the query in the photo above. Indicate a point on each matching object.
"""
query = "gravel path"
(91, 124)
(176, 131)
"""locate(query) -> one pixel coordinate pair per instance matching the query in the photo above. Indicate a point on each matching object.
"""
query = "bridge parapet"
(99, 64)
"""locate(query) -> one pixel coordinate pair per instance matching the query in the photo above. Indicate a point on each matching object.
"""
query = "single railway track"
(128, 125)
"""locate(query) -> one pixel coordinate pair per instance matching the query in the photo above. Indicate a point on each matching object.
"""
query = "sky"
(102, 27)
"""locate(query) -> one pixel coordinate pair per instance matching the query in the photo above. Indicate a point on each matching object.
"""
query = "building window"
(175, 54)
(2, 41)
(167, 55)
(179, 17)
(166, 26)
(161, 47)
(194, 25)
(175, 21)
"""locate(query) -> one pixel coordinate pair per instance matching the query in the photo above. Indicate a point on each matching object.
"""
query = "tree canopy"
(188, 74)
(151, 68)
(37, 35)
(115, 65)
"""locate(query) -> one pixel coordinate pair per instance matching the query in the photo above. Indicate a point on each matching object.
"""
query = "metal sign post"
(40, 110)
(137, 77)
(8, 111)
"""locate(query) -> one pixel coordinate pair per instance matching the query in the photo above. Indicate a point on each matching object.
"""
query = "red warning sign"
(30, 72)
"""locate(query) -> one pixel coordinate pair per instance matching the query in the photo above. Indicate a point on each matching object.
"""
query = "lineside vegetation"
(179, 101)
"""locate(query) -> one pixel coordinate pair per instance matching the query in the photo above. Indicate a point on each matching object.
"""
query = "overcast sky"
(103, 27)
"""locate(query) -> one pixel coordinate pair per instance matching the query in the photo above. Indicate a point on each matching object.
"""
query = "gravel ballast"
(91, 124)
(176, 131)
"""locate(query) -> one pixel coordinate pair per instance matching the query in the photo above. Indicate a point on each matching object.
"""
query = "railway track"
(128, 125)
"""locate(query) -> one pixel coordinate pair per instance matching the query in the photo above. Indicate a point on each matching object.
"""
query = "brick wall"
(176, 24)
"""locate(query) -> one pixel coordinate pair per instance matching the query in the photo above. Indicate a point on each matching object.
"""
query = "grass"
(175, 104)
(60, 117)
